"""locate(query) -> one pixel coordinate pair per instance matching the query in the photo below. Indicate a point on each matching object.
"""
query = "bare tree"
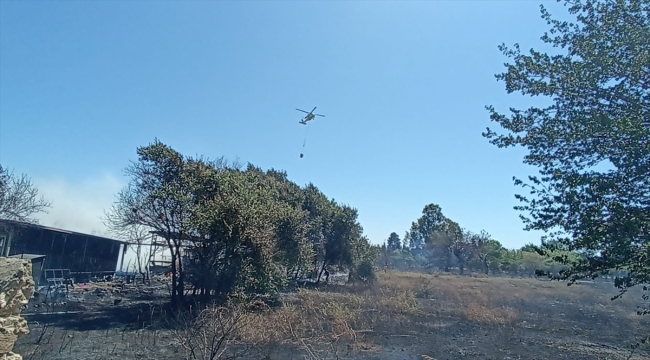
(136, 236)
(19, 199)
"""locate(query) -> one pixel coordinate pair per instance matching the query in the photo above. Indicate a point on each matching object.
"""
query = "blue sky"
(403, 87)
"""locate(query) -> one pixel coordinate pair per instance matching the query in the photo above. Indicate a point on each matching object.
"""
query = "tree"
(444, 242)
(431, 221)
(464, 244)
(235, 231)
(364, 259)
(511, 261)
(488, 251)
(247, 234)
(317, 206)
(341, 232)
(394, 242)
(592, 143)
(408, 241)
(158, 197)
(19, 199)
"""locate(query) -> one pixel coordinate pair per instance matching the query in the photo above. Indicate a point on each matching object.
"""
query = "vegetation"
(403, 315)
(592, 143)
(237, 231)
(438, 242)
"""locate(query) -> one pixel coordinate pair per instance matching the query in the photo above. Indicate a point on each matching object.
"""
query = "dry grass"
(442, 315)
(399, 295)
(497, 316)
(311, 315)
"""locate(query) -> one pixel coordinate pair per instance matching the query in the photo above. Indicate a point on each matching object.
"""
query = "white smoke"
(78, 205)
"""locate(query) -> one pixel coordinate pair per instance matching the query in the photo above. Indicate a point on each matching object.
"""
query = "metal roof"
(27, 256)
(62, 231)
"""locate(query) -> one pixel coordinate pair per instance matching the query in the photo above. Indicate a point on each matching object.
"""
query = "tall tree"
(318, 208)
(158, 197)
(394, 243)
(488, 251)
(465, 244)
(408, 241)
(431, 221)
(341, 232)
(405, 241)
(445, 242)
(364, 259)
(592, 143)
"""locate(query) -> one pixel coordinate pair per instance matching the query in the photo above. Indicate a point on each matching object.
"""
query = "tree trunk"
(180, 286)
(320, 273)
(486, 267)
(461, 267)
(447, 261)
(174, 278)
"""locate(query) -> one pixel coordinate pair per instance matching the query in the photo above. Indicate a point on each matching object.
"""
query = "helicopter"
(309, 117)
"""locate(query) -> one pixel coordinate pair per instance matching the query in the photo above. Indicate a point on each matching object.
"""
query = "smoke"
(79, 204)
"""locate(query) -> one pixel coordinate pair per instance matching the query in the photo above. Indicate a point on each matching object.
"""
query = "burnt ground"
(403, 316)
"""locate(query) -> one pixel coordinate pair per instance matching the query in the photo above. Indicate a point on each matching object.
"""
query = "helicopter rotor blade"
(319, 115)
(303, 111)
(313, 110)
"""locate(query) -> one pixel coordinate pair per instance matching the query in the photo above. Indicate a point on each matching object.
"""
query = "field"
(403, 316)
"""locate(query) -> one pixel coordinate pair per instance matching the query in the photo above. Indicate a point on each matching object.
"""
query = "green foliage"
(245, 231)
(394, 243)
(364, 258)
(444, 241)
(592, 143)
(430, 222)
(402, 259)
(449, 245)
(488, 252)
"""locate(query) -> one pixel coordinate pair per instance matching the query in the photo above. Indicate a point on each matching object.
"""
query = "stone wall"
(16, 288)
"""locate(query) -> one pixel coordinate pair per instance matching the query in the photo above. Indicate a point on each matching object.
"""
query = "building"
(81, 255)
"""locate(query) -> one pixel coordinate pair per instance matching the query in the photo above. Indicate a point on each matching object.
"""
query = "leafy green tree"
(238, 230)
(255, 239)
(341, 231)
(294, 251)
(408, 241)
(405, 242)
(488, 252)
(592, 142)
(364, 260)
(394, 242)
(511, 261)
(444, 242)
(464, 245)
(532, 262)
(402, 259)
(530, 247)
(430, 222)
(318, 208)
